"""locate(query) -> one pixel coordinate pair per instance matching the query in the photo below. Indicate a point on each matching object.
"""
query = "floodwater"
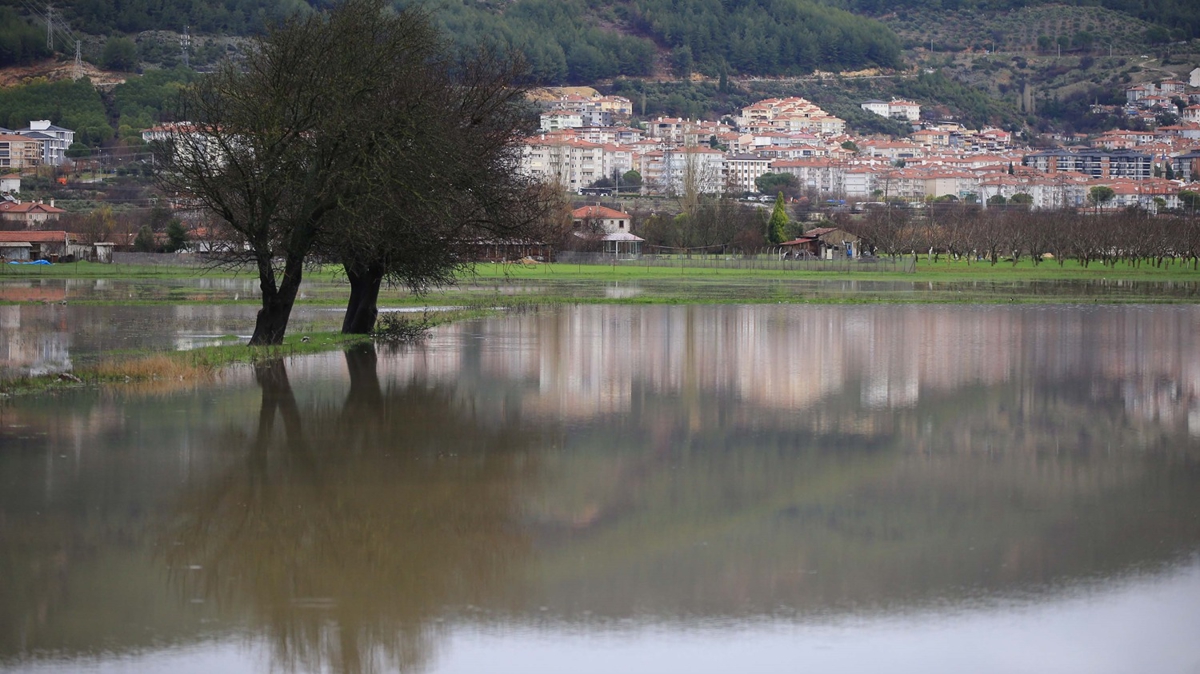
(759, 488)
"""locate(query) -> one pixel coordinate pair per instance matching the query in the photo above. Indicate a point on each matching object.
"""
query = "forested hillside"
(586, 40)
(1179, 18)
(20, 41)
(567, 41)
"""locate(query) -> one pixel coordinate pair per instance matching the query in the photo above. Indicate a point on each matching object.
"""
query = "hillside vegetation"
(1179, 19)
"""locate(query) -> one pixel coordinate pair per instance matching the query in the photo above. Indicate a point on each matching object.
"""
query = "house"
(10, 183)
(34, 245)
(833, 242)
(1194, 78)
(55, 140)
(29, 214)
(596, 218)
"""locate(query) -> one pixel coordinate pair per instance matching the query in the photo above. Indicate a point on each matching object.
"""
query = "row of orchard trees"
(357, 136)
(995, 235)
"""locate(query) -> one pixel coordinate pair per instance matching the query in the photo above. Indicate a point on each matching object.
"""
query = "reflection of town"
(592, 466)
(593, 360)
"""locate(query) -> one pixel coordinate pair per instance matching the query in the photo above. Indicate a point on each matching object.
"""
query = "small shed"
(15, 250)
(10, 183)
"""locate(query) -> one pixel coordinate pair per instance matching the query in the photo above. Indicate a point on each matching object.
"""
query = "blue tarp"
(45, 262)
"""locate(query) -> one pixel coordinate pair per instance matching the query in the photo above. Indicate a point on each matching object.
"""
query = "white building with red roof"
(31, 214)
(590, 219)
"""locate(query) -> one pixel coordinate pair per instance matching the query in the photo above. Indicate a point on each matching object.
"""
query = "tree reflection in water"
(350, 533)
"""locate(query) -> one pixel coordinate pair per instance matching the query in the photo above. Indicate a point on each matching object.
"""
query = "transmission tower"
(50, 27)
(78, 73)
(185, 41)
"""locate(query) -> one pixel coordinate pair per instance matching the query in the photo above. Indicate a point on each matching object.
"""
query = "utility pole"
(185, 41)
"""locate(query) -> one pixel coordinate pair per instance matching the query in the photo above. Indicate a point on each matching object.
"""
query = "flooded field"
(622, 488)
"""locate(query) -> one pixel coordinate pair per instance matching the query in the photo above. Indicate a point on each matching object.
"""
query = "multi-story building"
(742, 170)
(1094, 163)
(55, 140)
(570, 162)
(19, 152)
(894, 109)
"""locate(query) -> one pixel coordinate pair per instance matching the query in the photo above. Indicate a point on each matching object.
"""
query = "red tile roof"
(33, 237)
(597, 212)
(28, 207)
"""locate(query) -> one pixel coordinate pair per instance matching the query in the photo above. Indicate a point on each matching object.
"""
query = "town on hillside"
(592, 145)
(588, 144)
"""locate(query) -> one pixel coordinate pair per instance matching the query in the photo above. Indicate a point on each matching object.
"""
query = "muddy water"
(647, 489)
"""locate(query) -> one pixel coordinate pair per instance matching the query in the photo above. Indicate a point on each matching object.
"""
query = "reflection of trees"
(350, 531)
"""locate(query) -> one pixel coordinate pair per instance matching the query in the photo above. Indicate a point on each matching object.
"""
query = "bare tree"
(280, 143)
(447, 185)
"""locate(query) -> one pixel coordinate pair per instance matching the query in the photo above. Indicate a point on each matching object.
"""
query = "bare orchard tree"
(278, 145)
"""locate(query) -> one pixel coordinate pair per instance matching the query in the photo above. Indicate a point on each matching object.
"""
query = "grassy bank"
(169, 370)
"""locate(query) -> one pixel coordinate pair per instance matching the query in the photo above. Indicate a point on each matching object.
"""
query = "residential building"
(10, 183)
(591, 219)
(571, 162)
(1094, 163)
(55, 140)
(684, 169)
(1194, 78)
(894, 109)
(742, 170)
(19, 152)
(557, 120)
(30, 214)
(1186, 167)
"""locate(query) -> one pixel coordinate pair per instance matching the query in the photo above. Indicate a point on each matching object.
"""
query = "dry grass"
(159, 374)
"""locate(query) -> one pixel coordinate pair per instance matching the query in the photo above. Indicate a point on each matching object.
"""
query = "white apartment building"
(741, 172)
(55, 140)
(571, 162)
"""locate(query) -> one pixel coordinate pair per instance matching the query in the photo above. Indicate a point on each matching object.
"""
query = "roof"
(621, 236)
(799, 241)
(597, 212)
(33, 237)
(29, 207)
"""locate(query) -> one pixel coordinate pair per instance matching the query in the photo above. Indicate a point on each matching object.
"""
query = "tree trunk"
(277, 302)
(362, 309)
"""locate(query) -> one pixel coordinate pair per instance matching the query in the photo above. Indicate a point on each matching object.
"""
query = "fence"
(162, 259)
(763, 261)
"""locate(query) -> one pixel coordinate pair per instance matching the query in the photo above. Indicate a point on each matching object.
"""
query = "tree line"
(1012, 234)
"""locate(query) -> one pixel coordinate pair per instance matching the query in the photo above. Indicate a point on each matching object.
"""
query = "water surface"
(613, 488)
